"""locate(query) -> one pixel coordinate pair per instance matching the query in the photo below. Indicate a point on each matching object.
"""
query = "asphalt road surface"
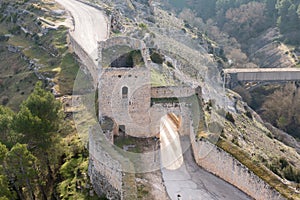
(184, 179)
(90, 25)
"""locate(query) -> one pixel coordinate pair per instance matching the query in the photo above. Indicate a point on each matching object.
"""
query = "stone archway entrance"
(170, 149)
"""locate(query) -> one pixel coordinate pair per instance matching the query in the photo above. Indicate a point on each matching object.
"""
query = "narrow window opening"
(125, 92)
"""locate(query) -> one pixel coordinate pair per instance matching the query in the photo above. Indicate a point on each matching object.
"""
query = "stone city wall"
(85, 58)
(182, 110)
(222, 164)
(106, 171)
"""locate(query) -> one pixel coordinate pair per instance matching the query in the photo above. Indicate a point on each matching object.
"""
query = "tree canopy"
(255, 16)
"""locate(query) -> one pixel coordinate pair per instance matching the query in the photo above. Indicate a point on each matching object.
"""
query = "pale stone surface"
(220, 163)
(134, 109)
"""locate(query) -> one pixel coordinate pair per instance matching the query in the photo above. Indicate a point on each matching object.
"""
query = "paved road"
(190, 182)
(90, 25)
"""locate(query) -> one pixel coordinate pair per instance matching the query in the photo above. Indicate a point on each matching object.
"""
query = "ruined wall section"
(134, 44)
(172, 91)
(104, 171)
(134, 110)
(222, 164)
(180, 109)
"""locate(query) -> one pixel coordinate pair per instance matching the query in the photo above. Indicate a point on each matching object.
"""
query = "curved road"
(90, 25)
(189, 181)
(184, 179)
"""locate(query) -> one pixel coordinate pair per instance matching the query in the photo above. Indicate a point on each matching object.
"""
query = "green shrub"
(15, 30)
(157, 58)
(143, 26)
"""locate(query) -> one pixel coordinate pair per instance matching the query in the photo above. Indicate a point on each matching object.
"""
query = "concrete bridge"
(233, 76)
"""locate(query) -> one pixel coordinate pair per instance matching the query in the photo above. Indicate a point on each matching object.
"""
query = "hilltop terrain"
(244, 132)
(187, 46)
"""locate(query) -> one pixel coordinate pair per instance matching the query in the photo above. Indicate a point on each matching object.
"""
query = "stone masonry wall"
(180, 109)
(172, 91)
(106, 169)
(85, 58)
(102, 163)
(131, 108)
(222, 164)
(134, 44)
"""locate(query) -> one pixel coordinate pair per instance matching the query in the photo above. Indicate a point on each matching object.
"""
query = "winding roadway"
(188, 181)
(90, 25)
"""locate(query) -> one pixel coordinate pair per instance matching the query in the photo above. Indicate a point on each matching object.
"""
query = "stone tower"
(124, 89)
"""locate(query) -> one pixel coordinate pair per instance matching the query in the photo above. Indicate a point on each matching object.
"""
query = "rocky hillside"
(190, 56)
(33, 41)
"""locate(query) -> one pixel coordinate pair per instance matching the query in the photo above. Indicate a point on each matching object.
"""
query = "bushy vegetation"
(278, 105)
(156, 57)
(40, 155)
(281, 108)
(229, 117)
(246, 18)
(284, 169)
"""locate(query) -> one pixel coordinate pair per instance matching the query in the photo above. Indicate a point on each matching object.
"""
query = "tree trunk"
(41, 187)
(30, 190)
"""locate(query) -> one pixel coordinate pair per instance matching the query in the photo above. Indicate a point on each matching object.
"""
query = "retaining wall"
(222, 164)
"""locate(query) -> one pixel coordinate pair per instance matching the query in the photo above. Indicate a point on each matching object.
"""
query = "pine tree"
(20, 167)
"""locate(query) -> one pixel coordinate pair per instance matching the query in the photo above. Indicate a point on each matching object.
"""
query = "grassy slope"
(17, 80)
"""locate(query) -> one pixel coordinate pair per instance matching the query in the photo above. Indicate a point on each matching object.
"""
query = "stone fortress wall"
(134, 44)
(225, 166)
(124, 96)
(106, 172)
(125, 93)
(85, 58)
